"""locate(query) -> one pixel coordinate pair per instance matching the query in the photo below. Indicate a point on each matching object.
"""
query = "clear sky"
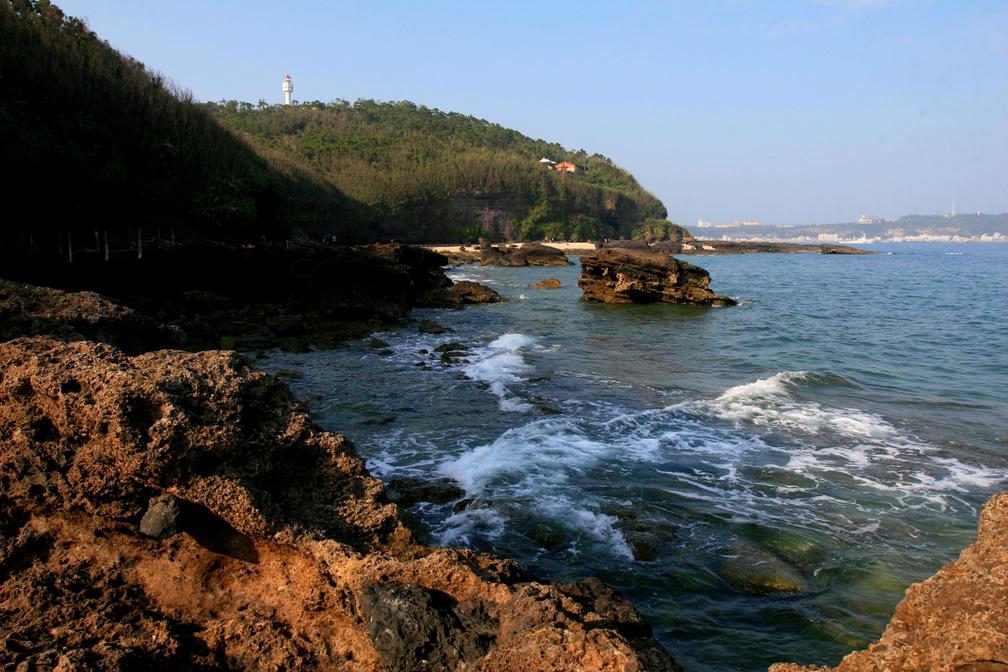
(791, 112)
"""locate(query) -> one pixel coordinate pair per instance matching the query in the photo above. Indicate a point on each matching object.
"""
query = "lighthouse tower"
(288, 89)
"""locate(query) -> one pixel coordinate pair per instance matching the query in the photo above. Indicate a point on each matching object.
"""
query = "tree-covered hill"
(97, 147)
(92, 141)
(430, 175)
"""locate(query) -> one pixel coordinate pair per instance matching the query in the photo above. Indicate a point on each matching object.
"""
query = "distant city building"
(865, 219)
(549, 163)
(749, 222)
(829, 237)
(288, 89)
(703, 224)
(566, 167)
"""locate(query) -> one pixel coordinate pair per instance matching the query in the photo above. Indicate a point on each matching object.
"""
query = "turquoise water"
(849, 417)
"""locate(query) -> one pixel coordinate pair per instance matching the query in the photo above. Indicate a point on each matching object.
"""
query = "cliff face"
(179, 511)
(956, 621)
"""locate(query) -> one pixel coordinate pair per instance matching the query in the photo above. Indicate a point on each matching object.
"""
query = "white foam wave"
(768, 402)
(500, 363)
(541, 453)
(535, 467)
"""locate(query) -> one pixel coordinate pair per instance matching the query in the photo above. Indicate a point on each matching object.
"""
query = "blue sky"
(791, 112)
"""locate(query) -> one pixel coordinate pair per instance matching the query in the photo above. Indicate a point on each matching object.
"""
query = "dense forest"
(96, 146)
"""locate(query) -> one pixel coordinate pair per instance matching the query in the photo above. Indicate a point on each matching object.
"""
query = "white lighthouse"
(288, 89)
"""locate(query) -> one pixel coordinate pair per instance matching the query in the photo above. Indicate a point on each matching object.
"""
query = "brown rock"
(474, 292)
(955, 621)
(632, 276)
(459, 294)
(26, 310)
(546, 283)
(287, 554)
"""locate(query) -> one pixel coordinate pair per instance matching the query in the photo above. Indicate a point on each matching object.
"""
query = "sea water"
(849, 417)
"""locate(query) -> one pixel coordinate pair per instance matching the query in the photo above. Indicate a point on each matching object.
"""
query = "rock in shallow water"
(408, 491)
(756, 571)
(545, 283)
(463, 292)
(632, 276)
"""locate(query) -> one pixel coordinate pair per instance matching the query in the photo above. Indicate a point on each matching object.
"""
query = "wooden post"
(139, 243)
(97, 243)
(70, 246)
(106, 247)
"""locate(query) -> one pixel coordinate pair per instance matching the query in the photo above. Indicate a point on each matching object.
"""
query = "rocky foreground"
(179, 511)
(230, 297)
(638, 276)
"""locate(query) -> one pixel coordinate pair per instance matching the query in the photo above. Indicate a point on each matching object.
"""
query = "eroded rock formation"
(632, 276)
(461, 293)
(179, 511)
(26, 310)
(955, 621)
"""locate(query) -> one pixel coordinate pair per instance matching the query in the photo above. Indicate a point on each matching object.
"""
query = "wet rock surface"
(754, 570)
(286, 554)
(633, 276)
(408, 491)
(957, 620)
(461, 293)
(545, 283)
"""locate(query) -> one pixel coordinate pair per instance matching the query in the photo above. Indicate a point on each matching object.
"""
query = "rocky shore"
(163, 509)
(179, 510)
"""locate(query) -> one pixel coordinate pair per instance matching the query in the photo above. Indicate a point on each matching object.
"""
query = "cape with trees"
(99, 148)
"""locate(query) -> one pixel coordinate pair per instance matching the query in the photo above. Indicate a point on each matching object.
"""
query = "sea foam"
(499, 363)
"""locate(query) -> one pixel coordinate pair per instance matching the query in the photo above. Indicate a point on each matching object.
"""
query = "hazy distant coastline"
(948, 228)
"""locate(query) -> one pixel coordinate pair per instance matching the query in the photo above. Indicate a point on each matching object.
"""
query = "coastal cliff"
(180, 510)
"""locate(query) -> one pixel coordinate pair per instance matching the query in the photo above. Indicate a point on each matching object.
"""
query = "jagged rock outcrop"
(955, 621)
(529, 254)
(632, 276)
(26, 310)
(179, 511)
(461, 293)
